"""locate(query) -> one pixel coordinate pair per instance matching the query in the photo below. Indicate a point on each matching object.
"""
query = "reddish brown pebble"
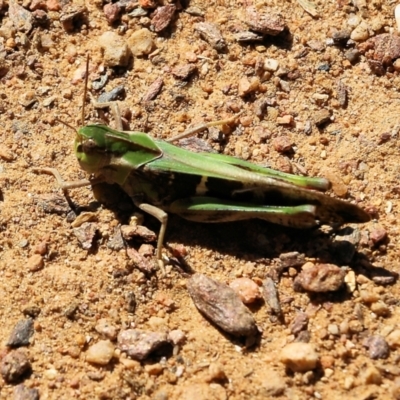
(35, 263)
(53, 5)
(162, 17)
(139, 344)
(85, 234)
(378, 234)
(38, 5)
(221, 305)
(138, 232)
(382, 48)
(146, 250)
(264, 22)
(321, 278)
(40, 248)
(299, 323)
(183, 72)
(111, 12)
(282, 144)
(153, 90)
(247, 290)
(140, 262)
(148, 3)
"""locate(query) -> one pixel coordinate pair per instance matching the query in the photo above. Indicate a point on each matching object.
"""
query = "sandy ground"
(46, 275)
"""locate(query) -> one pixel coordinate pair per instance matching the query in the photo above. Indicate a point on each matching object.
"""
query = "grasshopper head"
(91, 148)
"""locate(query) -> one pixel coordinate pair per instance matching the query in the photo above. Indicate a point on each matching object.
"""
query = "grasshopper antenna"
(85, 91)
(66, 124)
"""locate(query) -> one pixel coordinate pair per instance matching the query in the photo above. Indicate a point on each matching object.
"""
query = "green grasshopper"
(161, 178)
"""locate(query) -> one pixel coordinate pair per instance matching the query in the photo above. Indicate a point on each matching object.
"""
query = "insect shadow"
(250, 240)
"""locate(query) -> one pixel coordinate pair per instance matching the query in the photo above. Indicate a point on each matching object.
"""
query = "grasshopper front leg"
(65, 185)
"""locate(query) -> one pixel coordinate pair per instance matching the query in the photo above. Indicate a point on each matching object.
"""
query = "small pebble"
(272, 384)
(148, 3)
(299, 357)
(22, 392)
(153, 90)
(21, 334)
(393, 339)
(34, 263)
(247, 290)
(282, 144)
(352, 55)
(333, 329)
(176, 336)
(299, 323)
(139, 344)
(291, 259)
(116, 51)
(14, 365)
(21, 18)
(378, 234)
(211, 34)
(103, 327)
(141, 42)
(270, 296)
(246, 86)
(321, 117)
(221, 305)
(285, 120)
(321, 278)
(162, 17)
(380, 308)
(100, 353)
(86, 234)
(350, 281)
(183, 72)
(271, 64)
(263, 22)
(112, 12)
(141, 262)
(131, 232)
(377, 346)
(53, 5)
(360, 33)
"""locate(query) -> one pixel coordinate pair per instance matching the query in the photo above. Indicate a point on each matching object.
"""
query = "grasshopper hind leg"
(214, 210)
(162, 216)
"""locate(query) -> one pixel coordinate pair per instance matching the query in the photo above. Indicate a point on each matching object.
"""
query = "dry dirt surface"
(86, 314)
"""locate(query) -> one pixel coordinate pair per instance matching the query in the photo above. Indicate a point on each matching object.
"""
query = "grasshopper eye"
(88, 146)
